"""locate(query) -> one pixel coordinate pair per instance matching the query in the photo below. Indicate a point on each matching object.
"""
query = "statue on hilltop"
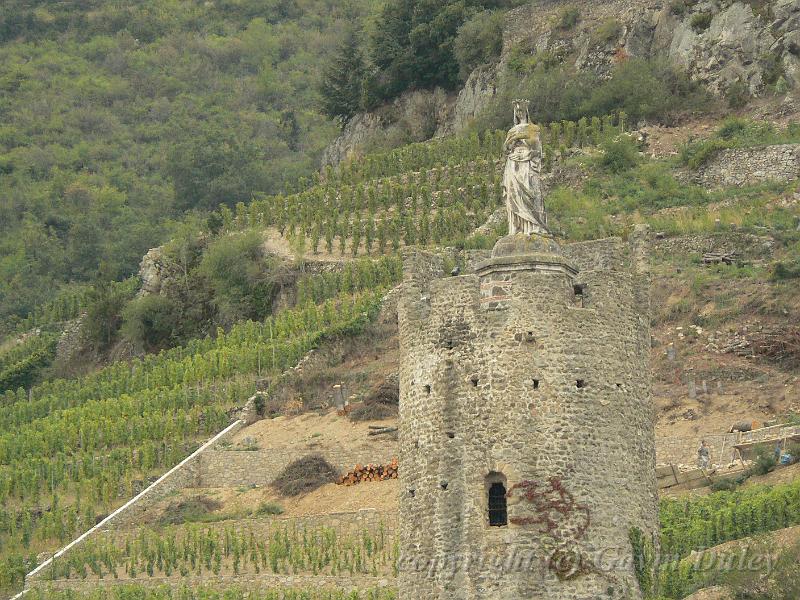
(522, 178)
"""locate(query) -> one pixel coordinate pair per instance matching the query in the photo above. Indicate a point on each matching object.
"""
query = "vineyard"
(280, 547)
(135, 592)
(277, 549)
(433, 193)
(701, 523)
(71, 450)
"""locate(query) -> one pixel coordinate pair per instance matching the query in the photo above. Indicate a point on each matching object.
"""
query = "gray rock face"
(739, 45)
(478, 91)
(733, 48)
(151, 272)
(355, 134)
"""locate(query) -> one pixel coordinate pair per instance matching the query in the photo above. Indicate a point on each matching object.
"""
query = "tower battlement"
(526, 430)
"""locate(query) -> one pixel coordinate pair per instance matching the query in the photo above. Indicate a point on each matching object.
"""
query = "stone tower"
(527, 443)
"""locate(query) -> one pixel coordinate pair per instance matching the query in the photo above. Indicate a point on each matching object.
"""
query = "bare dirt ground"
(313, 431)
(276, 244)
(242, 503)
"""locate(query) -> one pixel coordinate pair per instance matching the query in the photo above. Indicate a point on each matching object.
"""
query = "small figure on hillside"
(522, 183)
(703, 455)
(778, 452)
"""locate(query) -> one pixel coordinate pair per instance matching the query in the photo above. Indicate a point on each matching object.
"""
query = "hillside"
(265, 297)
(119, 121)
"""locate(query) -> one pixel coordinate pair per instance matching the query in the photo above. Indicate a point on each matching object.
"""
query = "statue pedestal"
(516, 254)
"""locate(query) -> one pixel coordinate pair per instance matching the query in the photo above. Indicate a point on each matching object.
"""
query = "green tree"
(479, 42)
(343, 79)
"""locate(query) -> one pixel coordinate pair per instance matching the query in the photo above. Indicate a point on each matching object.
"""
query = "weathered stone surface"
(479, 89)
(740, 167)
(542, 383)
(355, 134)
(740, 44)
(233, 468)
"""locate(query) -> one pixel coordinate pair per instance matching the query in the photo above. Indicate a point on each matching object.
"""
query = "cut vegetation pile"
(381, 404)
(305, 475)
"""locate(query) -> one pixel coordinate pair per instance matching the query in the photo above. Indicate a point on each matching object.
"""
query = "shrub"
(619, 154)
(738, 94)
(374, 411)
(243, 280)
(728, 484)
(764, 462)
(701, 21)
(149, 322)
(782, 271)
(645, 89)
(608, 31)
(305, 475)
(269, 508)
(568, 17)
(479, 41)
(104, 316)
(773, 68)
(193, 510)
(679, 7)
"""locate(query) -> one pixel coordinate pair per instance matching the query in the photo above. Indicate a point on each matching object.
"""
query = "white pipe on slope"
(129, 503)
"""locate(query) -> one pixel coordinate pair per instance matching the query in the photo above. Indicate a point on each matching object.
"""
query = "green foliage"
(644, 561)
(703, 522)
(568, 17)
(272, 547)
(680, 7)
(479, 42)
(342, 87)
(118, 118)
(182, 592)
(619, 154)
(20, 366)
(701, 21)
(738, 94)
(764, 462)
(86, 444)
(103, 318)
(608, 31)
(268, 508)
(735, 133)
(728, 484)
(237, 270)
(652, 90)
(412, 44)
(150, 322)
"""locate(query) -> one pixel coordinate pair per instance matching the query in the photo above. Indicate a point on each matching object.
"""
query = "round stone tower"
(527, 443)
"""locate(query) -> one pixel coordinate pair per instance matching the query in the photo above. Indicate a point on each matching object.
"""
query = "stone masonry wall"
(228, 468)
(748, 166)
(512, 377)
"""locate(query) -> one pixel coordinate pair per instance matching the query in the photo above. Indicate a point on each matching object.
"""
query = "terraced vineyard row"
(282, 549)
(80, 446)
(421, 194)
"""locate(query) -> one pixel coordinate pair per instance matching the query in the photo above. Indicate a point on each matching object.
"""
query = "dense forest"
(116, 120)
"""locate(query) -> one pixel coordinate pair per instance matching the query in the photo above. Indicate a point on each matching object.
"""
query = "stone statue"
(522, 177)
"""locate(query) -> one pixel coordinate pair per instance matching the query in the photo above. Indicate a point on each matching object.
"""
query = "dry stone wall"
(530, 373)
(229, 468)
(740, 167)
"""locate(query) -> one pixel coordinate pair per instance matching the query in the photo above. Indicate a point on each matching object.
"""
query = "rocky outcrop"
(478, 91)
(152, 271)
(356, 133)
(720, 43)
(737, 46)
